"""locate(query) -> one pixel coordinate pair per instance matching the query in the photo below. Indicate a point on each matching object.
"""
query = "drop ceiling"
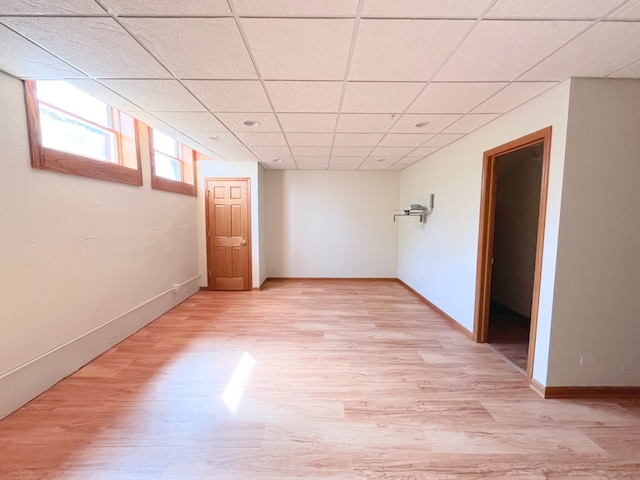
(333, 84)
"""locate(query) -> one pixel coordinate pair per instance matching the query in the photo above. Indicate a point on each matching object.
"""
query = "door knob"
(243, 242)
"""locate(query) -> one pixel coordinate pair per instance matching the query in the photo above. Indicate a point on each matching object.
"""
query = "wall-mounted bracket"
(417, 210)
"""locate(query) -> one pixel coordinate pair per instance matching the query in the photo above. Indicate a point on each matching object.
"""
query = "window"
(171, 164)
(73, 132)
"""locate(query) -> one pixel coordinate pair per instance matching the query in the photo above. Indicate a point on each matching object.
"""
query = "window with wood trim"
(75, 133)
(172, 164)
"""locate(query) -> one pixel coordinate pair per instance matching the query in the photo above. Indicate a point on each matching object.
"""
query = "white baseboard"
(26, 382)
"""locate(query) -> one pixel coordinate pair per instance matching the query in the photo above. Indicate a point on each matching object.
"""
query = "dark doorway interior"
(519, 176)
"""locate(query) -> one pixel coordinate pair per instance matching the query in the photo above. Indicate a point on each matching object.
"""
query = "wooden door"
(228, 233)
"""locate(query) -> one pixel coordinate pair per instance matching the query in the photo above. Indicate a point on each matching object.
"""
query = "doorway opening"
(513, 208)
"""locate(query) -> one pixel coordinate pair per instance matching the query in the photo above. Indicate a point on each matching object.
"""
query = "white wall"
(83, 263)
(332, 223)
(438, 259)
(219, 168)
(262, 222)
(597, 301)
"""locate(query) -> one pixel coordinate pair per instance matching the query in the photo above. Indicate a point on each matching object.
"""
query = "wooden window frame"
(167, 184)
(44, 158)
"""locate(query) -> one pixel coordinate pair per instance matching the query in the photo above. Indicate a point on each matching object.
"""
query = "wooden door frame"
(208, 228)
(486, 231)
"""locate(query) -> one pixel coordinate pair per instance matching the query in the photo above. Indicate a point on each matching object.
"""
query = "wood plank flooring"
(509, 334)
(335, 380)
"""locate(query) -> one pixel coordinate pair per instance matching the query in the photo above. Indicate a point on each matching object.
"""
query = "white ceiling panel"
(583, 58)
(308, 122)
(470, 122)
(150, 8)
(405, 139)
(380, 97)
(365, 122)
(305, 96)
(282, 164)
(388, 160)
(192, 122)
(267, 122)
(512, 96)
(425, 8)
(629, 11)
(443, 139)
(375, 166)
(234, 153)
(351, 151)
(453, 97)
(310, 139)
(271, 152)
(423, 151)
(299, 49)
(398, 166)
(92, 87)
(190, 47)
(335, 160)
(263, 139)
(357, 139)
(313, 166)
(311, 151)
(630, 71)
(296, 8)
(553, 9)
(435, 123)
(230, 95)
(216, 139)
(503, 50)
(47, 7)
(78, 40)
(23, 59)
(343, 166)
(410, 160)
(156, 95)
(404, 50)
(391, 151)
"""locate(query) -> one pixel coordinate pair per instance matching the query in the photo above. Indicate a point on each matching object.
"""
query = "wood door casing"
(228, 233)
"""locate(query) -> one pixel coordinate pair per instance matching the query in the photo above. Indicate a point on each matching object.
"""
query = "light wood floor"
(352, 380)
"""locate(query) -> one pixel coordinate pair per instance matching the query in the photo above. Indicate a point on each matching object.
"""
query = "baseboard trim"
(449, 318)
(332, 279)
(591, 392)
(537, 387)
(27, 381)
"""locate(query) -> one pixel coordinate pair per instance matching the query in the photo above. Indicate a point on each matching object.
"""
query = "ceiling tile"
(23, 59)
(512, 96)
(47, 7)
(583, 57)
(150, 8)
(192, 121)
(397, 49)
(405, 139)
(554, 9)
(235, 122)
(391, 151)
(423, 152)
(230, 95)
(351, 151)
(283, 164)
(216, 139)
(375, 166)
(470, 122)
(311, 151)
(435, 123)
(305, 96)
(631, 71)
(296, 8)
(310, 139)
(443, 139)
(308, 122)
(263, 139)
(630, 11)
(78, 39)
(284, 159)
(512, 47)
(299, 49)
(409, 160)
(425, 8)
(379, 97)
(389, 160)
(343, 166)
(453, 97)
(348, 160)
(92, 87)
(312, 161)
(357, 139)
(365, 122)
(234, 153)
(271, 152)
(313, 166)
(399, 166)
(190, 47)
(156, 95)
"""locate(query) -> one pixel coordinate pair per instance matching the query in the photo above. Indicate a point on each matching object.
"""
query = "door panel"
(228, 234)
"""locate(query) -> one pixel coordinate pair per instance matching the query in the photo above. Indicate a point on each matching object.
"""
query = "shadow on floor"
(509, 334)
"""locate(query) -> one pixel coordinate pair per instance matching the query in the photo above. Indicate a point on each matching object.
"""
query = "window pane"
(165, 144)
(72, 100)
(167, 167)
(62, 132)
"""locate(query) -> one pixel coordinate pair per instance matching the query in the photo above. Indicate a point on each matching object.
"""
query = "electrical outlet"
(587, 360)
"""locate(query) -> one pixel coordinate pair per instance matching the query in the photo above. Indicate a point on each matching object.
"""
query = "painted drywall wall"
(331, 223)
(262, 222)
(597, 306)
(438, 259)
(516, 228)
(221, 168)
(83, 262)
